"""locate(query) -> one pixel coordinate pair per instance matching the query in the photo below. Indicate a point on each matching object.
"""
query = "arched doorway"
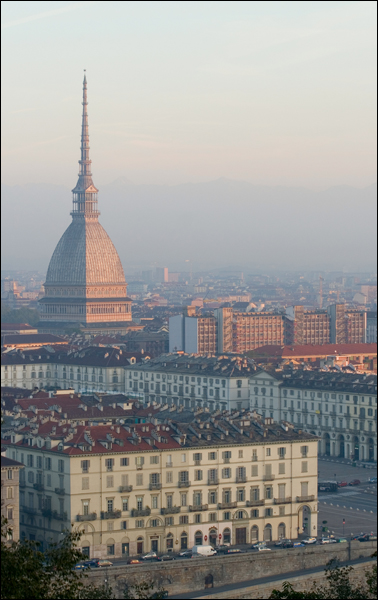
(356, 448)
(184, 540)
(341, 447)
(213, 537)
(227, 536)
(268, 533)
(140, 545)
(304, 521)
(169, 542)
(371, 449)
(254, 534)
(281, 531)
(327, 444)
(198, 538)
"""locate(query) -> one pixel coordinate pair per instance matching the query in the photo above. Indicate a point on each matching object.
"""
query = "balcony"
(169, 464)
(183, 484)
(88, 517)
(222, 505)
(39, 487)
(54, 514)
(142, 512)
(60, 491)
(282, 500)
(241, 478)
(269, 477)
(212, 481)
(305, 498)
(197, 462)
(155, 486)
(255, 502)
(111, 514)
(197, 507)
(30, 510)
(170, 511)
(125, 488)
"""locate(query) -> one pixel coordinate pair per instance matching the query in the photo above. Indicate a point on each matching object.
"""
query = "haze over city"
(219, 132)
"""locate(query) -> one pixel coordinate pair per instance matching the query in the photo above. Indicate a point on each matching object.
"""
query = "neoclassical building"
(85, 283)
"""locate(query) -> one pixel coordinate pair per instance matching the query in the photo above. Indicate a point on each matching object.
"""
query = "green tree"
(338, 587)
(19, 315)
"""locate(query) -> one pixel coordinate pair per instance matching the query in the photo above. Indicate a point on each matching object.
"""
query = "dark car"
(368, 537)
(185, 554)
(355, 482)
(233, 551)
(166, 557)
(223, 548)
(281, 542)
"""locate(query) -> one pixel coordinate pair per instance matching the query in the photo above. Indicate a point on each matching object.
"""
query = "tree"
(19, 315)
(338, 587)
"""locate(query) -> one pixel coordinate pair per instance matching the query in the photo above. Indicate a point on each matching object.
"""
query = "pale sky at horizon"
(275, 93)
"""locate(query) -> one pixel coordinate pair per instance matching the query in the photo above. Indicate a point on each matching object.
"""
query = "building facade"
(10, 501)
(192, 382)
(85, 282)
(167, 487)
(340, 408)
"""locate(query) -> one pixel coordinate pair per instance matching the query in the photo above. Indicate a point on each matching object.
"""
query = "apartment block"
(165, 487)
(193, 334)
(340, 408)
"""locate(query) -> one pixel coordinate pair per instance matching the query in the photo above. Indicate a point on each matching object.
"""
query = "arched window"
(227, 536)
(184, 540)
(268, 533)
(198, 538)
(281, 530)
(254, 534)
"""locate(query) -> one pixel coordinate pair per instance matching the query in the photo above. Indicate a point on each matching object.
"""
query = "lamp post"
(344, 527)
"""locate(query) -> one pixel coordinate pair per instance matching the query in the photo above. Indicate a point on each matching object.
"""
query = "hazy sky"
(268, 92)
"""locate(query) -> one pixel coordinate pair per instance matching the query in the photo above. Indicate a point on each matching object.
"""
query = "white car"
(263, 548)
(309, 540)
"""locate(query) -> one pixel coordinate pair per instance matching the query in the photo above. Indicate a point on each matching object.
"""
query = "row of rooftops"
(356, 383)
(218, 366)
(92, 356)
(225, 429)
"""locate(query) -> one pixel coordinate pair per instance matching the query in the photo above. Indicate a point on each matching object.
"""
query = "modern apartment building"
(193, 334)
(165, 487)
(340, 408)
(192, 382)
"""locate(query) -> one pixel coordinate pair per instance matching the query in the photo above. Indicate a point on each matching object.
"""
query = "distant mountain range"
(214, 223)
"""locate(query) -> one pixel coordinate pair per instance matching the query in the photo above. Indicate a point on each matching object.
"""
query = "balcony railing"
(241, 478)
(170, 511)
(212, 481)
(142, 512)
(222, 505)
(38, 486)
(60, 491)
(54, 514)
(305, 498)
(155, 486)
(226, 460)
(29, 509)
(88, 517)
(197, 462)
(125, 488)
(111, 514)
(197, 507)
(255, 502)
(282, 500)
(182, 484)
(269, 477)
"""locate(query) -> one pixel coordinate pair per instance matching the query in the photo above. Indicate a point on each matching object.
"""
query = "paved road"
(261, 580)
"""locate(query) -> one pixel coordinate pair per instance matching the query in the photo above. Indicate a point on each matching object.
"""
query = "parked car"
(298, 545)
(342, 483)
(98, 562)
(165, 557)
(263, 548)
(204, 550)
(355, 482)
(80, 566)
(233, 551)
(134, 561)
(358, 536)
(325, 540)
(372, 480)
(223, 548)
(186, 554)
(150, 556)
(310, 540)
(368, 537)
(281, 542)
(257, 545)
(342, 540)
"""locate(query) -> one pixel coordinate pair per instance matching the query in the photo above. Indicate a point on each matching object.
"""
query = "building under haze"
(85, 283)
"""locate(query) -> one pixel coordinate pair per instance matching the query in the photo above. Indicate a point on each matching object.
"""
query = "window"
(10, 474)
(197, 457)
(212, 517)
(254, 455)
(281, 468)
(227, 516)
(255, 470)
(304, 466)
(169, 521)
(304, 451)
(85, 466)
(184, 500)
(241, 495)
(139, 462)
(268, 452)
(268, 492)
(110, 526)
(154, 501)
(268, 512)
(240, 453)
(48, 463)
(197, 518)
(85, 507)
(197, 498)
(154, 523)
(124, 461)
(281, 510)
(125, 504)
(85, 483)
(61, 466)
(110, 504)
(281, 452)
(154, 460)
(183, 458)
(226, 473)
(30, 460)
(255, 513)
(10, 492)
(212, 456)
(109, 464)
(169, 500)
(169, 476)
(123, 524)
(139, 523)
(139, 479)
(39, 462)
(198, 475)
(212, 497)
(184, 520)
(109, 481)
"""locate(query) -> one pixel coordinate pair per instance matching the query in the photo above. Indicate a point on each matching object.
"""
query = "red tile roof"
(313, 350)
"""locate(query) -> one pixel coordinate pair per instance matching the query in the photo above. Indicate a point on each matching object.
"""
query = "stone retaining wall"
(187, 575)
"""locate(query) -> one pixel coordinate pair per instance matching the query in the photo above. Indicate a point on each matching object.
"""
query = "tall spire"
(85, 193)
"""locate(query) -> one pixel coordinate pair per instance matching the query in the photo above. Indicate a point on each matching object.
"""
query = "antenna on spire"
(85, 75)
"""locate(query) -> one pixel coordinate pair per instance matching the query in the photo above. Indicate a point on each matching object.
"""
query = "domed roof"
(85, 255)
